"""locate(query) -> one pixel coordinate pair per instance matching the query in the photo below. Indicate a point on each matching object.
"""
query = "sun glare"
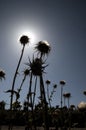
(20, 30)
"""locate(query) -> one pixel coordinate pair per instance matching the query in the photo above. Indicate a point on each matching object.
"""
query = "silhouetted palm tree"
(62, 83)
(2, 74)
(23, 40)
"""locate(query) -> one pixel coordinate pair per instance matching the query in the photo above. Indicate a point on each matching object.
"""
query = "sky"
(60, 22)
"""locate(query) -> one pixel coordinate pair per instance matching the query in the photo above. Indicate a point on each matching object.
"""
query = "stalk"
(13, 84)
(34, 91)
(15, 76)
(44, 103)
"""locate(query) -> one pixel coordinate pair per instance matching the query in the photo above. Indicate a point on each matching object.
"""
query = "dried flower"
(47, 82)
(24, 40)
(43, 48)
(36, 66)
(84, 92)
(62, 82)
(2, 74)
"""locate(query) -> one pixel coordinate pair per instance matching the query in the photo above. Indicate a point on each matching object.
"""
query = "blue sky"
(63, 25)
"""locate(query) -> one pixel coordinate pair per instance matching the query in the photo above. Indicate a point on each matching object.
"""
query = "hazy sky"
(63, 24)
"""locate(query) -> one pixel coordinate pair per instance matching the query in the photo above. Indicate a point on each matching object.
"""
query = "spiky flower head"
(55, 86)
(43, 48)
(2, 74)
(62, 82)
(36, 66)
(26, 72)
(48, 82)
(84, 92)
(24, 40)
(67, 95)
(64, 95)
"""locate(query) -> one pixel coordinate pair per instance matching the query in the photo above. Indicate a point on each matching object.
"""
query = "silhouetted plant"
(16, 105)
(36, 67)
(52, 93)
(68, 95)
(72, 107)
(2, 74)
(48, 95)
(84, 92)
(43, 48)
(25, 105)
(25, 73)
(23, 40)
(2, 105)
(62, 83)
(64, 95)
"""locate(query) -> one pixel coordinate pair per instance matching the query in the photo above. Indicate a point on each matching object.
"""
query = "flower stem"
(15, 76)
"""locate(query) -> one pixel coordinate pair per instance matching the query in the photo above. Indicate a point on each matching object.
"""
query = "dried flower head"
(62, 82)
(68, 95)
(26, 72)
(24, 40)
(43, 47)
(84, 92)
(55, 86)
(2, 74)
(48, 82)
(36, 66)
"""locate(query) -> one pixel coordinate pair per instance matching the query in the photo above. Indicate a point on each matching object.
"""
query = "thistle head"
(55, 86)
(26, 72)
(43, 48)
(62, 82)
(84, 92)
(48, 82)
(2, 74)
(36, 66)
(24, 40)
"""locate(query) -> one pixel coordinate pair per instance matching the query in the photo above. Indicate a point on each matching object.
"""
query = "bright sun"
(19, 30)
(30, 35)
